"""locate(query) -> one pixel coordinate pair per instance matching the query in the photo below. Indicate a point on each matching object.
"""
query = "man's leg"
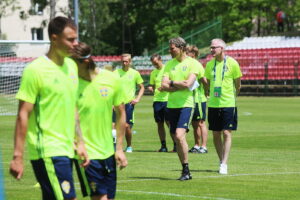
(226, 146)
(128, 135)
(182, 146)
(162, 136)
(197, 132)
(129, 108)
(203, 133)
(218, 144)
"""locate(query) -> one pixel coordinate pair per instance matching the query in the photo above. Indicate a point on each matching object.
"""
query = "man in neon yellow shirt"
(99, 91)
(224, 78)
(47, 99)
(198, 120)
(130, 79)
(179, 79)
(160, 100)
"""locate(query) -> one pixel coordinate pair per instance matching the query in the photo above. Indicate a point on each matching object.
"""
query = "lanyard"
(223, 71)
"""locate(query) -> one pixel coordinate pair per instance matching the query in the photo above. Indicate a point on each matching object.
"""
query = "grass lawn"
(264, 162)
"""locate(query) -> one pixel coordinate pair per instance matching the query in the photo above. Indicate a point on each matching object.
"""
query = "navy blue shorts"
(160, 111)
(129, 108)
(54, 175)
(179, 118)
(222, 118)
(197, 115)
(99, 178)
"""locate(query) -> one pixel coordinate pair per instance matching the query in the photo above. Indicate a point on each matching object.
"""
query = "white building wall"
(16, 28)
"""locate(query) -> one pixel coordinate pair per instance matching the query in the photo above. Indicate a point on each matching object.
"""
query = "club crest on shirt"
(104, 92)
(74, 78)
(65, 185)
(130, 76)
(184, 68)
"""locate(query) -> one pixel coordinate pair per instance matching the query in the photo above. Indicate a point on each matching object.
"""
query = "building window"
(36, 9)
(37, 34)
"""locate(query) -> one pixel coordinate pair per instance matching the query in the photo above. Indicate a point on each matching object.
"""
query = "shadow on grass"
(201, 170)
(156, 178)
(152, 151)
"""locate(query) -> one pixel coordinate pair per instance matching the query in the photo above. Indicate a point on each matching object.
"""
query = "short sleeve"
(201, 71)
(152, 78)
(207, 71)
(139, 78)
(119, 93)
(236, 69)
(30, 86)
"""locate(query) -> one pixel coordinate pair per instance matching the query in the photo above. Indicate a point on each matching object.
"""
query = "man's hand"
(134, 101)
(121, 159)
(150, 88)
(82, 154)
(16, 167)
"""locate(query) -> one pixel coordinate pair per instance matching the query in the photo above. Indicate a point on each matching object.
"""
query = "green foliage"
(147, 23)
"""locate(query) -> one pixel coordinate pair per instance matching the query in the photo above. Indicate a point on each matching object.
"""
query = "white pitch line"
(174, 195)
(217, 176)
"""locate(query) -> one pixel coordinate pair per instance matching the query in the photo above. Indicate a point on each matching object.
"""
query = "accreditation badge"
(217, 91)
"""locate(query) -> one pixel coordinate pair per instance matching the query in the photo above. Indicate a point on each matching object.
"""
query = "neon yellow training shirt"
(198, 91)
(130, 79)
(52, 89)
(95, 105)
(232, 72)
(156, 79)
(180, 71)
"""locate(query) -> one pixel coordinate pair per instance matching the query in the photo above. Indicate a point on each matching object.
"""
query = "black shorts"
(55, 177)
(129, 108)
(99, 178)
(199, 114)
(222, 118)
(160, 111)
(179, 118)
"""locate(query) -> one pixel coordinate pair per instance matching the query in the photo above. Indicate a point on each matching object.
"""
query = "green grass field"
(264, 163)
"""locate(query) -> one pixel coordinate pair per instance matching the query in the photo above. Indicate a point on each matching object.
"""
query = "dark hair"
(155, 56)
(83, 51)
(193, 49)
(58, 24)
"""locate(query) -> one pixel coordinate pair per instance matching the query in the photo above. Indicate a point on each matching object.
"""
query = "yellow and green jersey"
(95, 106)
(52, 89)
(129, 80)
(199, 92)
(222, 76)
(180, 71)
(156, 79)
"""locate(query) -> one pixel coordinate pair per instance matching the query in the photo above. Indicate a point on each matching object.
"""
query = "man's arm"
(151, 88)
(206, 89)
(237, 83)
(79, 144)
(167, 86)
(16, 165)
(186, 83)
(120, 128)
(140, 94)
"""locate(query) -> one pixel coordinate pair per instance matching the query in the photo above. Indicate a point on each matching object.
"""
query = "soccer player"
(179, 79)
(130, 79)
(224, 79)
(160, 100)
(199, 116)
(99, 91)
(46, 115)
